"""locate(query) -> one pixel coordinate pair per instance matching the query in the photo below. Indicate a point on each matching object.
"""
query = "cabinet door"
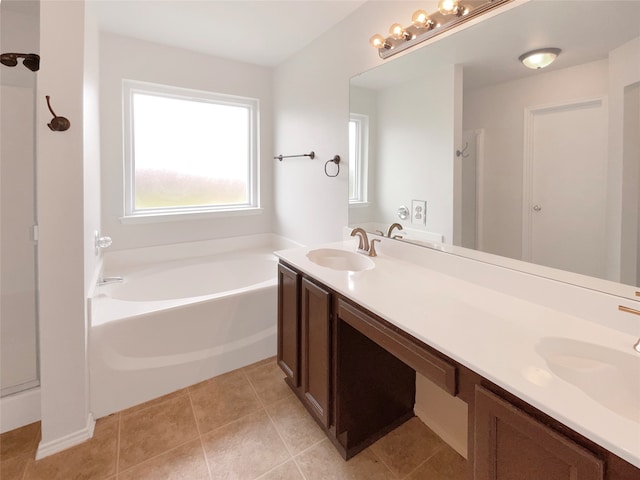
(315, 319)
(511, 445)
(289, 323)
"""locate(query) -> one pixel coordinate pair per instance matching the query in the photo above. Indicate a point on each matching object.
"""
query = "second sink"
(610, 377)
(340, 259)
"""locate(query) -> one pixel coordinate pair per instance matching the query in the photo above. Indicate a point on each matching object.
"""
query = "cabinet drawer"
(432, 367)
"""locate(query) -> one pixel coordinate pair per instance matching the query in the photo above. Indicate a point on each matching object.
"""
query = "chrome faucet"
(391, 228)
(363, 243)
(108, 280)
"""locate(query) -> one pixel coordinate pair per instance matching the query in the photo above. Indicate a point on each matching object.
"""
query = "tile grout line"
(204, 452)
(381, 460)
(264, 407)
(427, 460)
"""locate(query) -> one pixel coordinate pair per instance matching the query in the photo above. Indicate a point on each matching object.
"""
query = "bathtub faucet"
(107, 280)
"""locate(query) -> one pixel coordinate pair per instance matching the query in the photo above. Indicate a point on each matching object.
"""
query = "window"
(188, 151)
(358, 141)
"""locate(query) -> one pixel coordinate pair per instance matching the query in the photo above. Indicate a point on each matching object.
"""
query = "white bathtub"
(177, 322)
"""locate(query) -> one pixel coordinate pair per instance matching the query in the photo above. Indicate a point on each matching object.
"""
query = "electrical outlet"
(419, 212)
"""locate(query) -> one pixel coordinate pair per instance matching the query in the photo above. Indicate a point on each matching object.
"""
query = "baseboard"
(19, 409)
(68, 441)
(442, 432)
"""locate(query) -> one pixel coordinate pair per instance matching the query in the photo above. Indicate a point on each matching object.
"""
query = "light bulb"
(378, 41)
(447, 7)
(397, 31)
(421, 19)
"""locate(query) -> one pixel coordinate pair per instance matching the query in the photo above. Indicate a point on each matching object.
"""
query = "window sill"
(187, 216)
(359, 204)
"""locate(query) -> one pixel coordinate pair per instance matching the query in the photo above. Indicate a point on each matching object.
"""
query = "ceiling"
(260, 32)
(586, 31)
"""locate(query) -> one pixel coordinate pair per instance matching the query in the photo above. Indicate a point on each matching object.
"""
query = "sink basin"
(340, 259)
(610, 377)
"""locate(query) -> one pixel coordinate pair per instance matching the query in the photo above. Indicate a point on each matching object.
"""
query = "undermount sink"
(340, 259)
(610, 377)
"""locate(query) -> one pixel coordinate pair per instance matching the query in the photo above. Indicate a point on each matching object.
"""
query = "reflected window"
(188, 151)
(358, 153)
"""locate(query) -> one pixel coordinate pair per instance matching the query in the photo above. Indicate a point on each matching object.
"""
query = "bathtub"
(183, 314)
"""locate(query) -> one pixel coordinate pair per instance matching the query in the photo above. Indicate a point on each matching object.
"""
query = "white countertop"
(489, 332)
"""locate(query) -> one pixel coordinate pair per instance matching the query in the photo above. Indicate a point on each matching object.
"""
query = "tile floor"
(244, 425)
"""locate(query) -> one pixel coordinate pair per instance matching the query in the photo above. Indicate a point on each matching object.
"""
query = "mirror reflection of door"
(565, 186)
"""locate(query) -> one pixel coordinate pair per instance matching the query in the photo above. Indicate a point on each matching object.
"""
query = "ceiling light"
(537, 59)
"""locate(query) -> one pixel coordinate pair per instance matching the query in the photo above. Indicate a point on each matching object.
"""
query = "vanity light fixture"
(540, 58)
(451, 13)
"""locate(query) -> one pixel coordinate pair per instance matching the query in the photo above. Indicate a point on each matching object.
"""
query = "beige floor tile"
(154, 430)
(268, 381)
(154, 402)
(18, 442)
(446, 464)
(409, 445)
(13, 468)
(244, 449)
(260, 363)
(183, 463)
(222, 399)
(17, 448)
(286, 471)
(94, 459)
(296, 427)
(323, 462)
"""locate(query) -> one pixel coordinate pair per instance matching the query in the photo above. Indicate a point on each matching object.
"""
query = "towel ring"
(336, 160)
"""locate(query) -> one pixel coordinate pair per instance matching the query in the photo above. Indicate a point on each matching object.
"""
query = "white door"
(565, 180)
(17, 250)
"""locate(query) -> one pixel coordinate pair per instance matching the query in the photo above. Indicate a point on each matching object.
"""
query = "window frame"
(131, 214)
(361, 160)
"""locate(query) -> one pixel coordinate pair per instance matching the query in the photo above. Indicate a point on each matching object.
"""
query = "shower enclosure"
(19, 25)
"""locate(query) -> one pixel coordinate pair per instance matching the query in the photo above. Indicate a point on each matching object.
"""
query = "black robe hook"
(57, 124)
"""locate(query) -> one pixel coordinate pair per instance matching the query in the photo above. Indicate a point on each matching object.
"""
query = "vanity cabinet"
(356, 374)
(512, 445)
(289, 324)
(355, 389)
(315, 343)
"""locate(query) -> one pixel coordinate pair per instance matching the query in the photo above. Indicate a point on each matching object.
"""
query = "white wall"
(61, 216)
(624, 70)
(417, 170)
(311, 95)
(128, 58)
(499, 110)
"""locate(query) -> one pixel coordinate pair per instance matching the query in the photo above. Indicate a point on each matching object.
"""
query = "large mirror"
(537, 170)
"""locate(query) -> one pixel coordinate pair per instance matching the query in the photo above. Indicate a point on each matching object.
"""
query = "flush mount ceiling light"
(540, 58)
(451, 13)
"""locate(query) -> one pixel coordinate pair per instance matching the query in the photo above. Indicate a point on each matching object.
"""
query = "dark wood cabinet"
(355, 373)
(315, 344)
(512, 445)
(289, 323)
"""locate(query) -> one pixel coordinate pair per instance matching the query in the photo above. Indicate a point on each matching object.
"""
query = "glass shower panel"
(18, 296)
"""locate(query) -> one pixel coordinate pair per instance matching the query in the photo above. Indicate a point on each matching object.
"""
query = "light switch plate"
(419, 212)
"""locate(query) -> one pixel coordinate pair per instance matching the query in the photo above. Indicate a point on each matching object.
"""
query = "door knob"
(537, 208)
